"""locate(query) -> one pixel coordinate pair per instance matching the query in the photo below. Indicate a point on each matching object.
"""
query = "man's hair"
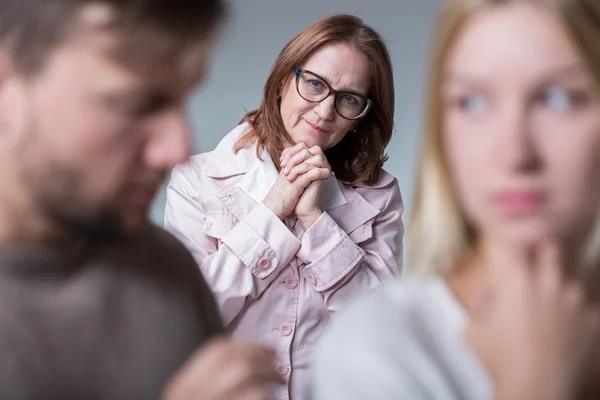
(151, 29)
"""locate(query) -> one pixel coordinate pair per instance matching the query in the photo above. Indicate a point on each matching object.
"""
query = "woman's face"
(521, 127)
(318, 123)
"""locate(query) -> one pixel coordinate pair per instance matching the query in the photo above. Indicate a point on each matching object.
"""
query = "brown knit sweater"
(103, 322)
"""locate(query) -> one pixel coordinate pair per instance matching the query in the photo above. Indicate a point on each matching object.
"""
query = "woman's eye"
(562, 100)
(472, 104)
(557, 99)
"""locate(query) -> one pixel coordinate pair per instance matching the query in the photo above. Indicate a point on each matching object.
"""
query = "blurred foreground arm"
(226, 370)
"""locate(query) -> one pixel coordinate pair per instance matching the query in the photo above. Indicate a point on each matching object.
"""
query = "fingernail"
(285, 170)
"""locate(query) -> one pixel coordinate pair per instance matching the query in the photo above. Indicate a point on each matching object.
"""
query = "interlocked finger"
(300, 170)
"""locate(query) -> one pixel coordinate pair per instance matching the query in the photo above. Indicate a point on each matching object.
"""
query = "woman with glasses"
(292, 215)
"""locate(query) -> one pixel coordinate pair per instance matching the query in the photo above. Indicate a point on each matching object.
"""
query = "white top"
(402, 342)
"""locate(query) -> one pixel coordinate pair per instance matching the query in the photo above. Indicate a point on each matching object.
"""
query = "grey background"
(255, 32)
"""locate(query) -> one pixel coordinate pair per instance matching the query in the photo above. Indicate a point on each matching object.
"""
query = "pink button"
(312, 279)
(282, 369)
(291, 282)
(264, 263)
(285, 329)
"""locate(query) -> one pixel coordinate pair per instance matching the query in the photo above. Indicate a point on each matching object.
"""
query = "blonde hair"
(439, 235)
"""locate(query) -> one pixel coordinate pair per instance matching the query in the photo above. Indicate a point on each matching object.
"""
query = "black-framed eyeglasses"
(311, 87)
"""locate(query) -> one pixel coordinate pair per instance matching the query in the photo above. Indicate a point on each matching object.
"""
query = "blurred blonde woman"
(504, 222)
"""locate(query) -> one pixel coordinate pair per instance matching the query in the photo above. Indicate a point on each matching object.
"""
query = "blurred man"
(96, 303)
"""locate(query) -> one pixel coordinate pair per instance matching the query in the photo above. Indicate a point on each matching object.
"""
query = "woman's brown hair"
(359, 157)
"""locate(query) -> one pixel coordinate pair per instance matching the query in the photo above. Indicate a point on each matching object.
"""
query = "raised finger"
(548, 271)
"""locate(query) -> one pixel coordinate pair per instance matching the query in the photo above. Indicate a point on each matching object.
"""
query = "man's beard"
(57, 194)
(92, 226)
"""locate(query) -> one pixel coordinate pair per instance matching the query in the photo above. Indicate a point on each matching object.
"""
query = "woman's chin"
(525, 233)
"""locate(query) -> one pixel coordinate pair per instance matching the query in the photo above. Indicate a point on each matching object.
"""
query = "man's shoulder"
(160, 251)
(169, 263)
(156, 251)
(161, 241)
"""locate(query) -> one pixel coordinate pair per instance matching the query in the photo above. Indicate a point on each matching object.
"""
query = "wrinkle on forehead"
(342, 73)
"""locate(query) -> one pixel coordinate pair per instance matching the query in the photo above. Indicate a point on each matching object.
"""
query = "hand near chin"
(535, 330)
(296, 162)
(297, 188)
